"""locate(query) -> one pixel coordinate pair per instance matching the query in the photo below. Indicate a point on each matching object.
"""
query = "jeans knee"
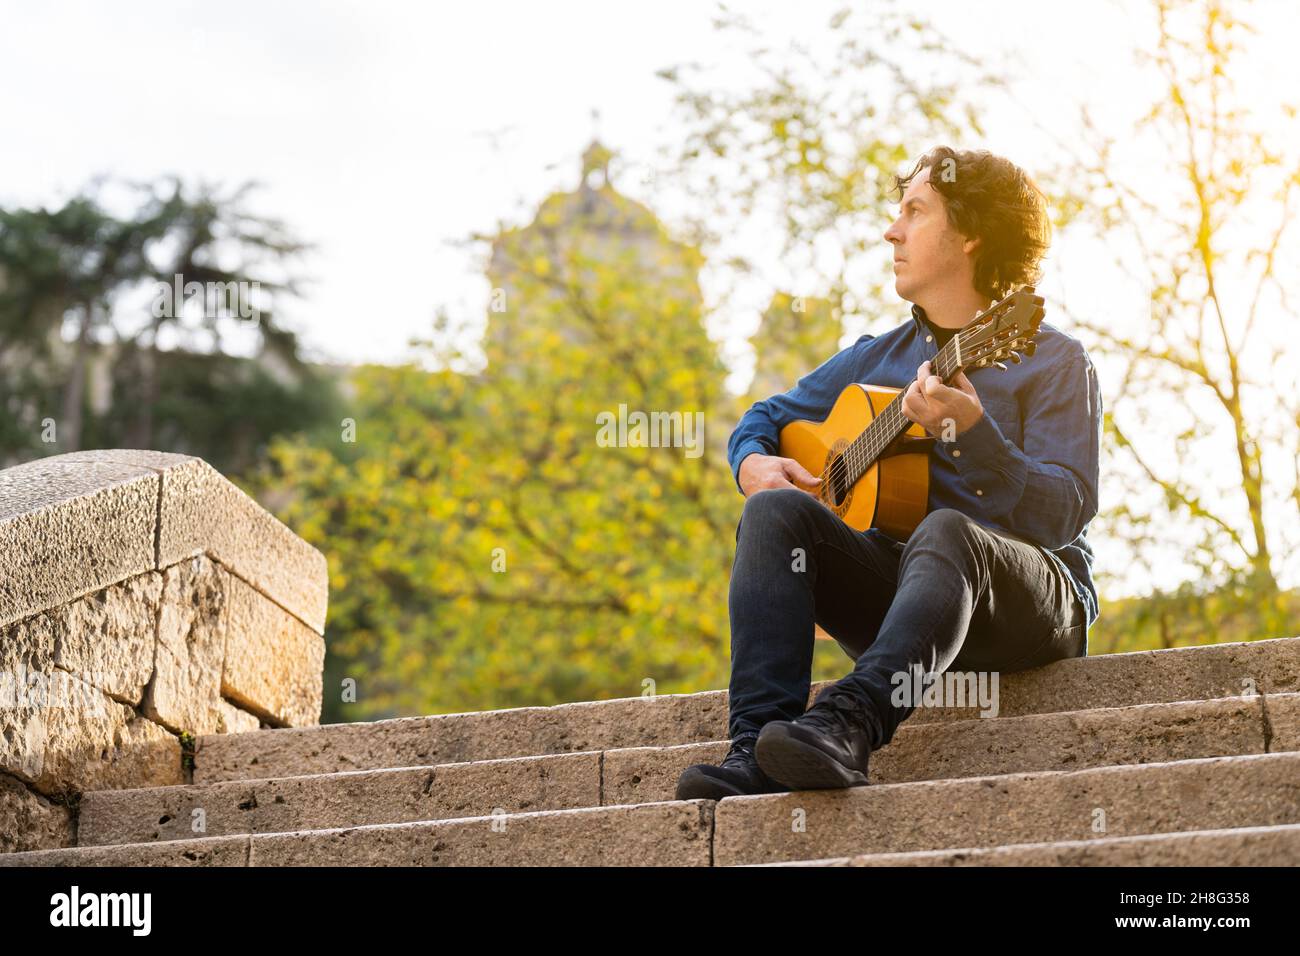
(771, 501)
(780, 511)
(942, 526)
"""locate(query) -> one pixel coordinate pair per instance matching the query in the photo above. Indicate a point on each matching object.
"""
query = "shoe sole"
(801, 765)
(700, 786)
(694, 785)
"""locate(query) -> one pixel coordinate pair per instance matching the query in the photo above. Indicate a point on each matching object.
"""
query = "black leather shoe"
(827, 747)
(737, 775)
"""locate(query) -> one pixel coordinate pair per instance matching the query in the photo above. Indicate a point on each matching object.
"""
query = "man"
(998, 574)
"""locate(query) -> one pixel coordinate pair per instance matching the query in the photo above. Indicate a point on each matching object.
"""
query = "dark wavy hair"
(992, 199)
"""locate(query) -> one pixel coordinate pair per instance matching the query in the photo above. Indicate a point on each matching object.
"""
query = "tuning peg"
(1001, 365)
(1015, 357)
(1029, 349)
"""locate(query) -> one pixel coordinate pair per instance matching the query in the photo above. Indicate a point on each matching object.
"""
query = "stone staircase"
(1187, 756)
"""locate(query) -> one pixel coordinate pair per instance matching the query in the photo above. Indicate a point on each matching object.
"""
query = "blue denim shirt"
(1029, 466)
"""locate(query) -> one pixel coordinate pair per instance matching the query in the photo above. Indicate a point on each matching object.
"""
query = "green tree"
(206, 228)
(617, 558)
(795, 334)
(485, 547)
(1209, 372)
(72, 280)
(805, 157)
(70, 262)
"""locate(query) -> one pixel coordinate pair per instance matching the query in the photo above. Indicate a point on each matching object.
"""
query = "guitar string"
(862, 452)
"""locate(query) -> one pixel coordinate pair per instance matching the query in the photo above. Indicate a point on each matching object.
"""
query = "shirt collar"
(919, 319)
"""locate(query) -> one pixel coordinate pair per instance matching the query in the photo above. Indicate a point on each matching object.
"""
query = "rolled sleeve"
(812, 398)
(742, 452)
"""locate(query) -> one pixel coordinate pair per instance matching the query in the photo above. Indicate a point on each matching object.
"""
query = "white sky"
(373, 124)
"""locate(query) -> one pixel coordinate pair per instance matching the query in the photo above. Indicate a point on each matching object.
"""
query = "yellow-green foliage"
(616, 558)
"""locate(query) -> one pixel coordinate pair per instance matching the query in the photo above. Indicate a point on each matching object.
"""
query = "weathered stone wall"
(143, 597)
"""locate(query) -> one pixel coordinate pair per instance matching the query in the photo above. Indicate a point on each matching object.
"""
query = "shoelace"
(839, 709)
(741, 753)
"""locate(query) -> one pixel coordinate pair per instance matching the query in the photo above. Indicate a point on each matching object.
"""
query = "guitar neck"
(885, 428)
(1000, 330)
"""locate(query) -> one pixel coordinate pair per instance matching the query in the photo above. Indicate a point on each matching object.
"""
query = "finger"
(796, 485)
(804, 474)
(920, 401)
(801, 474)
(806, 489)
(913, 409)
(937, 391)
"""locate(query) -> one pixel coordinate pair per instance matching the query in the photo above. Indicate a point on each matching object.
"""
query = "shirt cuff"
(745, 450)
(981, 448)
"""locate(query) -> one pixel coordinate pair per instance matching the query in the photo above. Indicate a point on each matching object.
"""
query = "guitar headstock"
(1004, 330)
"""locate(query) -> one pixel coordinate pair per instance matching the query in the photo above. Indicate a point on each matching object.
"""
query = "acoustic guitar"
(874, 463)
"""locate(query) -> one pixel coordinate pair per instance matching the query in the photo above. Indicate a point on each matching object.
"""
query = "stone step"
(675, 833)
(1235, 846)
(1147, 733)
(1256, 790)
(1043, 807)
(1111, 680)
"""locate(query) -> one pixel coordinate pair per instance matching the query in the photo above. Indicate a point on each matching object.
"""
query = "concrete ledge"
(29, 821)
(1118, 680)
(455, 738)
(203, 513)
(142, 596)
(71, 526)
(79, 522)
(1104, 737)
(1001, 813)
(1236, 846)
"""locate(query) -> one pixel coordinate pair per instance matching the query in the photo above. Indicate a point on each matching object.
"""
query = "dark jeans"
(956, 596)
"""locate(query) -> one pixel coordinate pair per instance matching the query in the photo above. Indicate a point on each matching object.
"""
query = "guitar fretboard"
(863, 451)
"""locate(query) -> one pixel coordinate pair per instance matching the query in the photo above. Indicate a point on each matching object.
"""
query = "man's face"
(929, 254)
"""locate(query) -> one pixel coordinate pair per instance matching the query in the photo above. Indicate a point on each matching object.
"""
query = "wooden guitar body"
(892, 494)
(874, 462)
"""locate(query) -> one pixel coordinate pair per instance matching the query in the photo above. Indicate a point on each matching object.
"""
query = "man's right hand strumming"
(759, 472)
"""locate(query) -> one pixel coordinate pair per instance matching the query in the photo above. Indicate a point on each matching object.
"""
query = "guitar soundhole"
(836, 490)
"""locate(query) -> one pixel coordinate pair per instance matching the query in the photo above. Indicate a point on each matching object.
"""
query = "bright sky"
(386, 132)
(373, 124)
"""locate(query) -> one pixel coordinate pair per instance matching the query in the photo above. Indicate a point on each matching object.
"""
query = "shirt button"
(979, 491)
(929, 338)
(956, 453)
